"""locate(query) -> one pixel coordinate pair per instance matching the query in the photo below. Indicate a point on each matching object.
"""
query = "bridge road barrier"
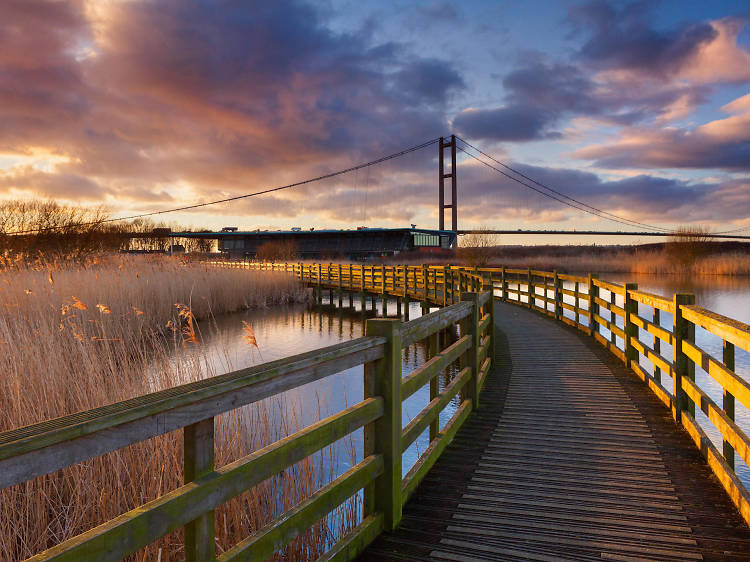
(40, 449)
(629, 323)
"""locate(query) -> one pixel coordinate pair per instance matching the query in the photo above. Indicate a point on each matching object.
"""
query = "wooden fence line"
(592, 307)
(42, 448)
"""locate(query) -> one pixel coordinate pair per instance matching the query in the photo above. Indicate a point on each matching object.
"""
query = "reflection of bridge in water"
(556, 451)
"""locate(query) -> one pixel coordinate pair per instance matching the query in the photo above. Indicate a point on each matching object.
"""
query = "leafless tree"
(687, 244)
(477, 249)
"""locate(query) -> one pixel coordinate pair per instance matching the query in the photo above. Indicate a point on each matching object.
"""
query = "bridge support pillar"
(406, 308)
(398, 307)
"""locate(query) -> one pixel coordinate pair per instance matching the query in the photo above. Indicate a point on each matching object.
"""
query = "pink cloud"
(719, 60)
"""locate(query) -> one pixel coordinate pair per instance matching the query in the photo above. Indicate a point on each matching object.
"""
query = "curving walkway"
(570, 457)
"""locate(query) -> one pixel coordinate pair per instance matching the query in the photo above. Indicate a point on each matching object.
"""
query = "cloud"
(26, 180)
(722, 144)
(622, 38)
(511, 123)
(485, 196)
(431, 81)
(625, 73)
(147, 95)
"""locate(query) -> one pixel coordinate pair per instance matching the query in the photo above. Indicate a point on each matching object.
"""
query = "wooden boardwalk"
(569, 457)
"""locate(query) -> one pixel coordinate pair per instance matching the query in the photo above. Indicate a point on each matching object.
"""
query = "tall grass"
(649, 262)
(72, 339)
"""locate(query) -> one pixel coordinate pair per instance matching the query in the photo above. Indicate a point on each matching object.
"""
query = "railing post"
(613, 318)
(503, 294)
(656, 319)
(530, 288)
(445, 285)
(472, 329)
(491, 305)
(341, 290)
(681, 330)
(434, 343)
(199, 460)
(728, 401)
(383, 378)
(558, 296)
(631, 330)
(593, 307)
(577, 303)
(319, 285)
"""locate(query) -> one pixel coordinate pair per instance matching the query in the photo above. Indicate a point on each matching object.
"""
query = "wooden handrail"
(575, 300)
(39, 449)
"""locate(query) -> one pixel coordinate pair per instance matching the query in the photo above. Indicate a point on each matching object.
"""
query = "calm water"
(284, 331)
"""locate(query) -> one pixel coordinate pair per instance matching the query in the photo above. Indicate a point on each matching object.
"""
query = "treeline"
(33, 228)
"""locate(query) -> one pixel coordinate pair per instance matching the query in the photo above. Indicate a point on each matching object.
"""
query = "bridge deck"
(569, 457)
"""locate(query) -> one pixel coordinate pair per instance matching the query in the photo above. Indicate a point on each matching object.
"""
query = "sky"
(639, 109)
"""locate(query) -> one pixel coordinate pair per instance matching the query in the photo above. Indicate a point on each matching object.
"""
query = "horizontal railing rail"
(40, 449)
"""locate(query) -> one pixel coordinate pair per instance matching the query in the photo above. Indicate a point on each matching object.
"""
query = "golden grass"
(650, 262)
(78, 338)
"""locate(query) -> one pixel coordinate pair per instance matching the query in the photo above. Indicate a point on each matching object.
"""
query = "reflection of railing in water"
(32, 451)
(586, 299)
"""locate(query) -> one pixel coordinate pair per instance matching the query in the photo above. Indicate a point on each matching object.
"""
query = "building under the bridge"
(359, 244)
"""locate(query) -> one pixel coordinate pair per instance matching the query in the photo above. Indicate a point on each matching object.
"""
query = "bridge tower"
(453, 206)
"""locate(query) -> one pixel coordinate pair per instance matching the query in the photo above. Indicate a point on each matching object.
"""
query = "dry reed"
(77, 338)
(650, 262)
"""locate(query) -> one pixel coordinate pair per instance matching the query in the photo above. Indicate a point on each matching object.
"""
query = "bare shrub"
(687, 245)
(477, 249)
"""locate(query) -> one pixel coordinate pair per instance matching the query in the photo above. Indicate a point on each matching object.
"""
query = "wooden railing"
(39, 449)
(627, 322)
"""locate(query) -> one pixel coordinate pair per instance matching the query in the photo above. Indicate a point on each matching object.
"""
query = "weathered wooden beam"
(433, 452)
(35, 450)
(424, 326)
(631, 330)
(731, 433)
(280, 532)
(472, 354)
(434, 366)
(387, 429)
(198, 461)
(728, 402)
(135, 529)
(682, 330)
(432, 410)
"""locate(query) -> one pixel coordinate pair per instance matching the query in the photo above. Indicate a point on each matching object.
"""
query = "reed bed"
(650, 262)
(74, 338)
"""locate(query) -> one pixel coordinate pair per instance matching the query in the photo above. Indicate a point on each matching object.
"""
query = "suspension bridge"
(447, 169)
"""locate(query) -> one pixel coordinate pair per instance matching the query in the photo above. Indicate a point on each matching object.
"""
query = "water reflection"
(289, 330)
